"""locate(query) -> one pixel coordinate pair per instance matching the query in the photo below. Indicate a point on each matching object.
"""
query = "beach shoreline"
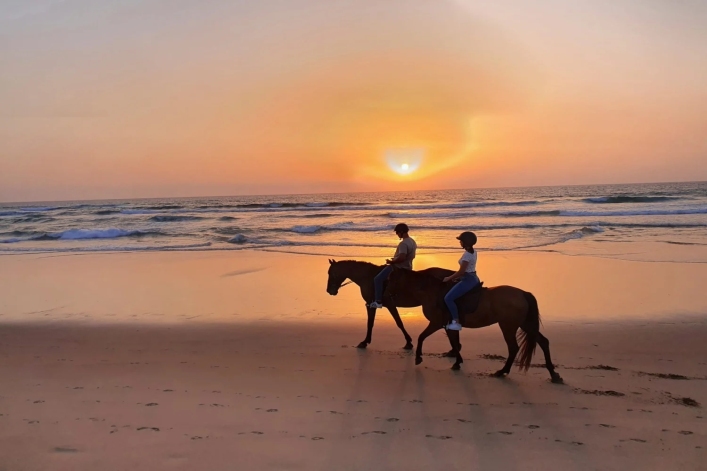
(213, 360)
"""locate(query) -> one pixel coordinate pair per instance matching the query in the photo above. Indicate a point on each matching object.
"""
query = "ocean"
(565, 219)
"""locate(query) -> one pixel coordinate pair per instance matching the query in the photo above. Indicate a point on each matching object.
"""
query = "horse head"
(336, 278)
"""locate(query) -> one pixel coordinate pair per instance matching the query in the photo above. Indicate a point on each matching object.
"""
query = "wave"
(227, 230)
(163, 207)
(38, 209)
(152, 248)
(342, 226)
(175, 218)
(548, 213)
(437, 215)
(630, 199)
(80, 234)
(645, 212)
(238, 239)
(138, 211)
(227, 218)
(106, 212)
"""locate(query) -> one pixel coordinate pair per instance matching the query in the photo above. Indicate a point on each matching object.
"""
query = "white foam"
(238, 239)
(306, 229)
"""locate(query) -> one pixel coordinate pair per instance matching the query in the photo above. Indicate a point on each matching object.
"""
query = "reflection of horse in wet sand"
(510, 307)
(362, 273)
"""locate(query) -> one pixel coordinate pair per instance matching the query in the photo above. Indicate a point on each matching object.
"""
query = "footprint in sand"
(317, 438)
(38, 402)
(255, 432)
(379, 432)
(151, 404)
(154, 429)
(685, 432)
(392, 419)
(271, 410)
(439, 437)
(572, 443)
(464, 421)
(62, 449)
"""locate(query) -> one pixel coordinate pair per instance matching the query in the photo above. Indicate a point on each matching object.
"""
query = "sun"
(404, 161)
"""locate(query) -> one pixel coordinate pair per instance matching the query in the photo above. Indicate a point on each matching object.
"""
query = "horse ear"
(331, 261)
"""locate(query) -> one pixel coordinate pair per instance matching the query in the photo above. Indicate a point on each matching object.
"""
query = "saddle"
(469, 303)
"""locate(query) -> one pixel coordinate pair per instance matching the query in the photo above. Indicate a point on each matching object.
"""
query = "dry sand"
(268, 378)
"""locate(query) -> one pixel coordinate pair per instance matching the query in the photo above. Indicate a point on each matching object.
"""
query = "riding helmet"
(468, 238)
(401, 228)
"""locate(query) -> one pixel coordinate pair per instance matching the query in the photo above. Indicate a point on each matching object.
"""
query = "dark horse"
(510, 307)
(362, 273)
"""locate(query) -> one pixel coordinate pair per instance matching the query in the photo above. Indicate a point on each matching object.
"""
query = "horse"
(362, 273)
(510, 307)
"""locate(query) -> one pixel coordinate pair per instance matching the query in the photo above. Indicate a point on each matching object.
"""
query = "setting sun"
(404, 161)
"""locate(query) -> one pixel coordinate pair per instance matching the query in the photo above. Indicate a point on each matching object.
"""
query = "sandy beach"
(184, 361)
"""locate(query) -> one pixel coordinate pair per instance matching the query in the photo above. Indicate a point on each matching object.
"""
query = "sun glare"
(404, 161)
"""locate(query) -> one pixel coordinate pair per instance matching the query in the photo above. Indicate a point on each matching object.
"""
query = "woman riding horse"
(510, 307)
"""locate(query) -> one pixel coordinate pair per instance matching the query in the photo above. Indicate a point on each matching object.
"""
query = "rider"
(403, 257)
(466, 274)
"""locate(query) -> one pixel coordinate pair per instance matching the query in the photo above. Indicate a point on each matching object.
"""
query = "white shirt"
(471, 258)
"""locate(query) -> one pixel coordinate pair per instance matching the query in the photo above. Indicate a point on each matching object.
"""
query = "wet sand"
(273, 381)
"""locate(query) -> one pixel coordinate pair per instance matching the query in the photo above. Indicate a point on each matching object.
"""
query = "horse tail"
(528, 336)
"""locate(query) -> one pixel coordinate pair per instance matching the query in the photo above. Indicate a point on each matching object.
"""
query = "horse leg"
(452, 353)
(429, 330)
(369, 331)
(453, 336)
(399, 322)
(509, 335)
(545, 345)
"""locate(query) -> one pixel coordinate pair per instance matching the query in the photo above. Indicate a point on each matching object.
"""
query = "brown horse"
(362, 273)
(510, 307)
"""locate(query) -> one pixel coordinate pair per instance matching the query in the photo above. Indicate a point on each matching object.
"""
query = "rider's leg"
(465, 285)
(379, 281)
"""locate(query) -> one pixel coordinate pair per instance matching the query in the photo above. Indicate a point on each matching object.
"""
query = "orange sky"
(150, 98)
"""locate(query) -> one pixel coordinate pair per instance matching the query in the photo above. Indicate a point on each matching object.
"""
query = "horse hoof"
(499, 374)
(408, 346)
(450, 354)
(456, 367)
(418, 360)
(363, 344)
(557, 379)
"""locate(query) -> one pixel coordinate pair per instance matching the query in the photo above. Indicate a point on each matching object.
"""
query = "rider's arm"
(398, 259)
(402, 256)
(459, 273)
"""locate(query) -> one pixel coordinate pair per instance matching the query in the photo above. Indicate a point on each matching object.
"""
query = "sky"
(169, 98)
